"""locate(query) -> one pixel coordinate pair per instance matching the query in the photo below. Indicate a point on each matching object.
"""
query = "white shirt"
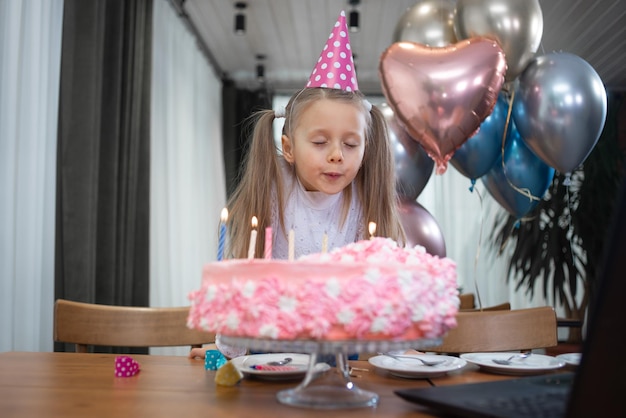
(310, 215)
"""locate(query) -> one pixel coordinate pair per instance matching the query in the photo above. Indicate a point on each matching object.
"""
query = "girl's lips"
(332, 175)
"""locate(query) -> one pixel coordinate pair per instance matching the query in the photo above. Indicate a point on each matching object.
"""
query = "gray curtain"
(103, 189)
(239, 104)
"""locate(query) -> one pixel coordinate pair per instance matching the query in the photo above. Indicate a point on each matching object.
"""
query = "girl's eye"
(351, 145)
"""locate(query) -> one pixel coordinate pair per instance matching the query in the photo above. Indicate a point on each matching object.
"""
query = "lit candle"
(292, 244)
(372, 229)
(268, 243)
(222, 235)
(324, 243)
(252, 247)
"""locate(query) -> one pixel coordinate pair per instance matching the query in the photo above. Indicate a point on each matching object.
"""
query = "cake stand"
(328, 390)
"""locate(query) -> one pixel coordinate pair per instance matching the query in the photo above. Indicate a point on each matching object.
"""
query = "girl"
(335, 175)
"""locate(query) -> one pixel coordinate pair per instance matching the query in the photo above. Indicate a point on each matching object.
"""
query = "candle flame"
(372, 228)
(255, 222)
(224, 215)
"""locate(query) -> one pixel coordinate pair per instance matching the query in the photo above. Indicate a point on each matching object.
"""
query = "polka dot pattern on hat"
(335, 66)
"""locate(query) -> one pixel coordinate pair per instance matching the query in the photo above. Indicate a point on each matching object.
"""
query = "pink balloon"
(421, 228)
(442, 95)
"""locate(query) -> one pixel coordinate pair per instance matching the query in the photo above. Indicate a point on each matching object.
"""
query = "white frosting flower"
(345, 316)
(269, 331)
(379, 324)
(211, 292)
(248, 289)
(405, 280)
(232, 321)
(333, 287)
(372, 275)
(287, 304)
(418, 314)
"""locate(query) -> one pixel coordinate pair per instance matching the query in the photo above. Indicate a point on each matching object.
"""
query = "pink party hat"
(335, 67)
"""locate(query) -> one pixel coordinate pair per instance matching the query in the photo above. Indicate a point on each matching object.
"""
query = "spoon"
(424, 362)
(506, 362)
(280, 362)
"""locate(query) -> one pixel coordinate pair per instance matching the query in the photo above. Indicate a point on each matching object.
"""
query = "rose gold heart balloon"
(441, 95)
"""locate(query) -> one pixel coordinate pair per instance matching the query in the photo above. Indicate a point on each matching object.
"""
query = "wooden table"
(83, 385)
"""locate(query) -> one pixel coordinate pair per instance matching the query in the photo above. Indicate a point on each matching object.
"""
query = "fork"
(424, 362)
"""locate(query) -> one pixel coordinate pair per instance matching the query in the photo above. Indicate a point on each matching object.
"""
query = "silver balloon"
(429, 22)
(413, 165)
(517, 26)
(560, 108)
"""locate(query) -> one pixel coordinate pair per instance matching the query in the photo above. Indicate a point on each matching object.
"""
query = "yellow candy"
(228, 375)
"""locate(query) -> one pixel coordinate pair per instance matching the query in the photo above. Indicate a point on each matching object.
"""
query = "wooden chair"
(467, 301)
(506, 306)
(87, 324)
(501, 330)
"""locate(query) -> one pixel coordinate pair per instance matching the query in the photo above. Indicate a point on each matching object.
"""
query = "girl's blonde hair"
(261, 180)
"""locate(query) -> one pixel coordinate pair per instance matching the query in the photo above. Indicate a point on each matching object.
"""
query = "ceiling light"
(353, 16)
(260, 68)
(260, 73)
(240, 18)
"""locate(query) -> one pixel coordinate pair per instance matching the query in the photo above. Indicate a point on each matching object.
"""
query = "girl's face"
(327, 145)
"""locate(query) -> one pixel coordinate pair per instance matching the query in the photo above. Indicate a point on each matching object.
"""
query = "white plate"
(533, 364)
(573, 359)
(413, 369)
(256, 365)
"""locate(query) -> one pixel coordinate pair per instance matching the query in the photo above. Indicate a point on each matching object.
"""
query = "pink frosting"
(367, 290)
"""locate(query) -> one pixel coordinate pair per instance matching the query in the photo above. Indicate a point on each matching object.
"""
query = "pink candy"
(125, 366)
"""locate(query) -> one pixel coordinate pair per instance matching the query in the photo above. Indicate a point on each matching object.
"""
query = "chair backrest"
(87, 324)
(501, 330)
(467, 301)
(506, 306)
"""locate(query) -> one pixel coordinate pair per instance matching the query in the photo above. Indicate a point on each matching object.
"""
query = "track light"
(353, 21)
(240, 18)
(260, 69)
(260, 73)
(353, 16)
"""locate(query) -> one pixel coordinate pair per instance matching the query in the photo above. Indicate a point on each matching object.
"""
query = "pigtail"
(259, 180)
(376, 183)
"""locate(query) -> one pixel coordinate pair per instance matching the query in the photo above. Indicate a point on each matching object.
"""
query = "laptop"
(595, 388)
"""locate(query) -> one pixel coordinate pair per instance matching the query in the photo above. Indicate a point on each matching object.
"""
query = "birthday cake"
(369, 290)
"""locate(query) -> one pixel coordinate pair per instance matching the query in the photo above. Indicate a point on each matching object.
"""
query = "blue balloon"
(522, 170)
(479, 153)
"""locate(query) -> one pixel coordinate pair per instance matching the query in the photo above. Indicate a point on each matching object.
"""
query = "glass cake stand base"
(332, 389)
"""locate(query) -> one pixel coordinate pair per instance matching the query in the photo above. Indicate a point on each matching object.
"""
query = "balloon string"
(515, 225)
(570, 226)
(480, 240)
(524, 191)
